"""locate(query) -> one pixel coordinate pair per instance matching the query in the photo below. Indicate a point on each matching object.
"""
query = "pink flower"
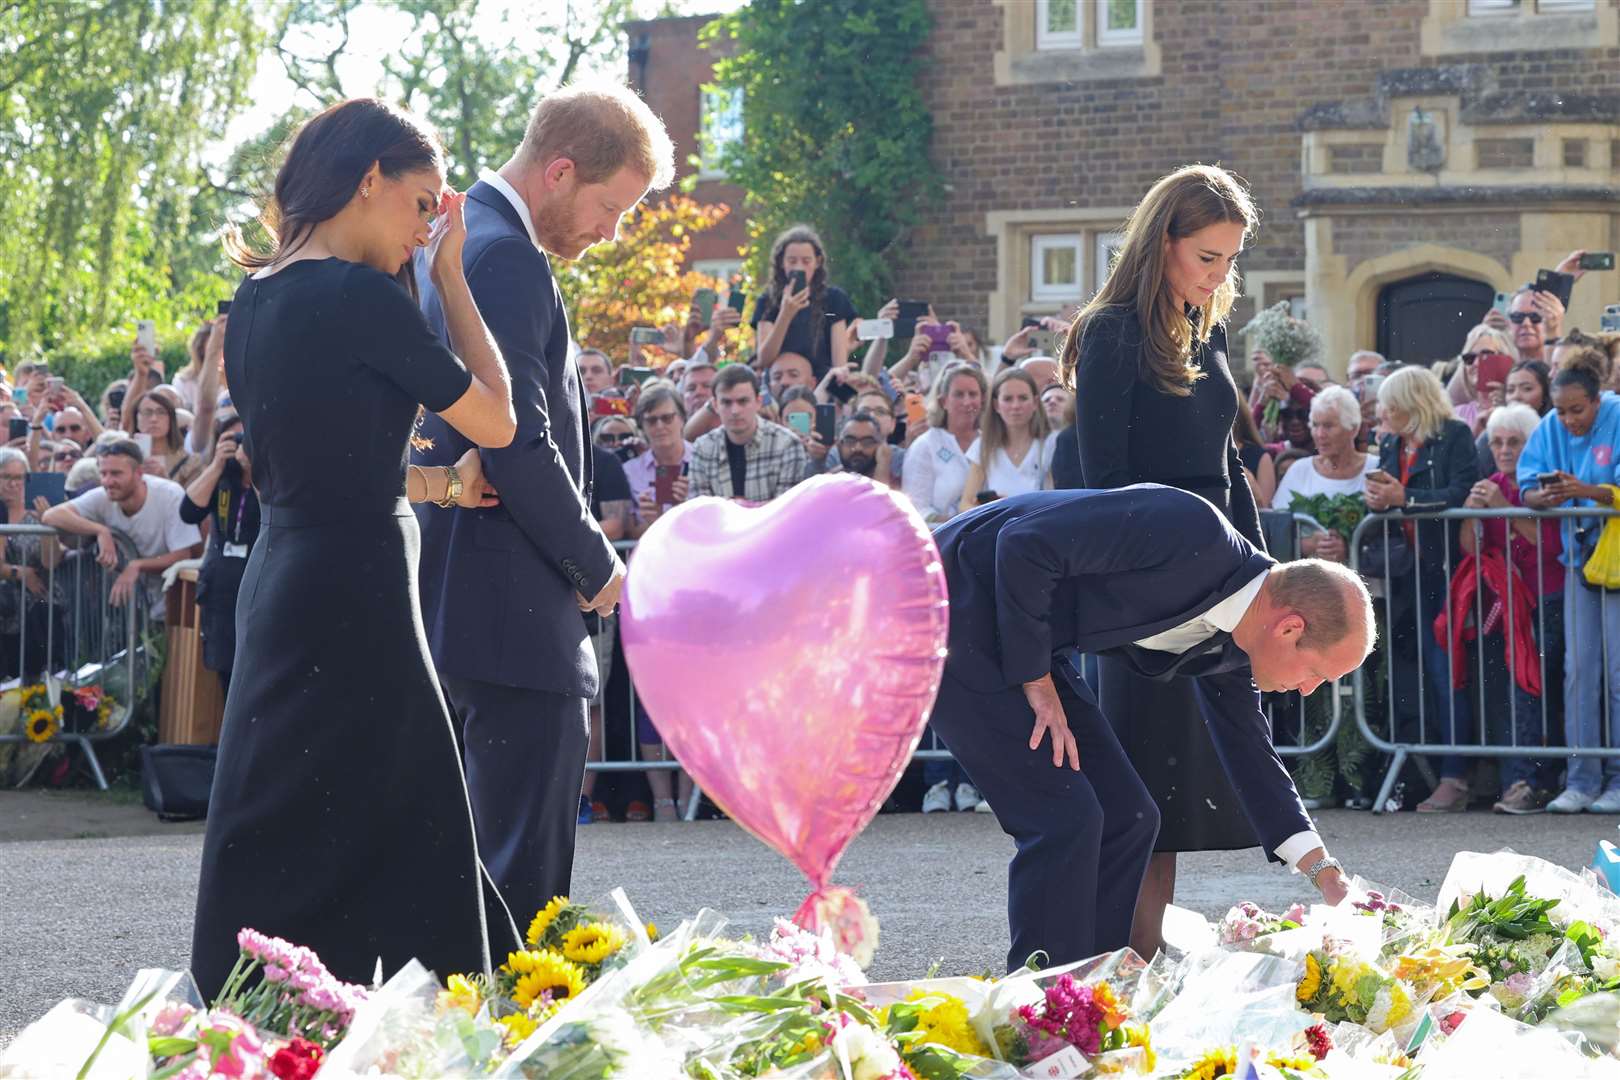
(1295, 913)
(1452, 1021)
(274, 973)
(171, 1018)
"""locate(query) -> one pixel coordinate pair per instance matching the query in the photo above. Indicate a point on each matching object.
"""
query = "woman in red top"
(1526, 782)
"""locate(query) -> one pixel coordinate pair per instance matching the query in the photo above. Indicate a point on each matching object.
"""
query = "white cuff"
(1296, 847)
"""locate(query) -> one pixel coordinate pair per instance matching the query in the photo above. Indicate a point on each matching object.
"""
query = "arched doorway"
(1425, 317)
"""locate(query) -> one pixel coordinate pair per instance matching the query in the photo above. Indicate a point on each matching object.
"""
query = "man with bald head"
(788, 370)
(1043, 369)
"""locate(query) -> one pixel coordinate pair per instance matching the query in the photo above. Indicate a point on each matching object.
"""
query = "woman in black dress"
(1155, 403)
(339, 818)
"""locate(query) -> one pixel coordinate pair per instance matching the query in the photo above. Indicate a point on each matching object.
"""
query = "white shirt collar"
(1229, 612)
(498, 182)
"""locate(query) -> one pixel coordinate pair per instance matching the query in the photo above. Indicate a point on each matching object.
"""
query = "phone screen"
(797, 279)
(799, 421)
(17, 428)
(736, 301)
(1597, 260)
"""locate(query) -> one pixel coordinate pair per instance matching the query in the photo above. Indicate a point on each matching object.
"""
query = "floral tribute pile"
(1514, 972)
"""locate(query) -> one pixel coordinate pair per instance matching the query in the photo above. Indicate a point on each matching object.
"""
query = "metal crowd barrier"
(75, 636)
(1287, 710)
(1429, 738)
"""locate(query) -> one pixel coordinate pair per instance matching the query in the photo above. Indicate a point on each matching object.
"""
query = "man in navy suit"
(504, 590)
(1156, 576)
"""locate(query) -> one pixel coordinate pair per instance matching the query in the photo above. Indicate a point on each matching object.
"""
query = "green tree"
(835, 132)
(105, 110)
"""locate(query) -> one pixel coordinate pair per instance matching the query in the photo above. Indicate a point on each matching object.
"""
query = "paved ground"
(101, 888)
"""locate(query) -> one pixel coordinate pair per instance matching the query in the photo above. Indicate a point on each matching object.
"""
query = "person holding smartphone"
(1571, 455)
(801, 312)
(223, 491)
(658, 478)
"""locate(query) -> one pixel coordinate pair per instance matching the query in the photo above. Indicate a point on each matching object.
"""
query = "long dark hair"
(328, 159)
(173, 439)
(802, 234)
(1542, 376)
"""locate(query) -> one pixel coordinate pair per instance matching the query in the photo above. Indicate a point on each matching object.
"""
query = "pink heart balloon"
(789, 654)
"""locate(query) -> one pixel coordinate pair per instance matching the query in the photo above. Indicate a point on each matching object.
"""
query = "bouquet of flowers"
(41, 712)
(1289, 342)
(1231, 1061)
(1080, 1021)
(1341, 513)
(1512, 937)
(1245, 922)
(1342, 987)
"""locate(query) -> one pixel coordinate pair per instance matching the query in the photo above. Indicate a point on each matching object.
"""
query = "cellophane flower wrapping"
(1491, 1046)
(1226, 998)
(1075, 1014)
(408, 1028)
(60, 1042)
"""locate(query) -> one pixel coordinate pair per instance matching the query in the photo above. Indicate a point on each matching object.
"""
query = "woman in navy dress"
(339, 817)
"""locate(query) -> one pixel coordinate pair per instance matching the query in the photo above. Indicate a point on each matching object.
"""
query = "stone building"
(1412, 158)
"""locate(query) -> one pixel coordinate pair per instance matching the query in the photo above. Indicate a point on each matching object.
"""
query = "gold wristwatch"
(452, 490)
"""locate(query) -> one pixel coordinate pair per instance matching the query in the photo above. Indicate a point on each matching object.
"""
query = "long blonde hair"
(993, 429)
(1189, 199)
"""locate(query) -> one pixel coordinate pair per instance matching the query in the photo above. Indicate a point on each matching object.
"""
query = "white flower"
(1606, 968)
(871, 1056)
(1378, 1015)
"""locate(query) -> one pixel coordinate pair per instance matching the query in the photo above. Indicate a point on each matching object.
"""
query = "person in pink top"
(1535, 546)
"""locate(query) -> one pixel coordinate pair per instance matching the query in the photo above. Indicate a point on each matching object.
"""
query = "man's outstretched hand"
(1049, 717)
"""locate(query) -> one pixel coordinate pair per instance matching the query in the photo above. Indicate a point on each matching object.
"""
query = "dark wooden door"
(1426, 317)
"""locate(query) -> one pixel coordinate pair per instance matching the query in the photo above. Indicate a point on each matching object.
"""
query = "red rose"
(298, 1060)
(1317, 1038)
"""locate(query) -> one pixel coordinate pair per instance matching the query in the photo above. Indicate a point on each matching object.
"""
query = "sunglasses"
(1519, 317)
(66, 455)
(608, 438)
(652, 419)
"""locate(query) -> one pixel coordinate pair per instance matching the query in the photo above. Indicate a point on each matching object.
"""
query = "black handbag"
(176, 780)
(1385, 552)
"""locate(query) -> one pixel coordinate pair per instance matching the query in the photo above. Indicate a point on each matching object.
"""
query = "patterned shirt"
(776, 460)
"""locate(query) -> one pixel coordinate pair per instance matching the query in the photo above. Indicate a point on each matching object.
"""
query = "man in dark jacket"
(1159, 578)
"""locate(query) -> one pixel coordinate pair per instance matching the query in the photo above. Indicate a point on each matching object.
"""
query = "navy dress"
(339, 818)
(1130, 432)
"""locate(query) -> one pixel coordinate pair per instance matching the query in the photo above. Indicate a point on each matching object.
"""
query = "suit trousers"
(1083, 838)
(524, 754)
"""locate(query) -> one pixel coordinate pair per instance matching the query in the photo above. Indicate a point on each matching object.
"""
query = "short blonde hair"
(1498, 341)
(1417, 392)
(601, 127)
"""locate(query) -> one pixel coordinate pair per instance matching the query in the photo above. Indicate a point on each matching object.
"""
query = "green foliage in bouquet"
(1289, 341)
(1341, 513)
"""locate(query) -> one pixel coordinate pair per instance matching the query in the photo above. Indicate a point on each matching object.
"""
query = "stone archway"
(1368, 279)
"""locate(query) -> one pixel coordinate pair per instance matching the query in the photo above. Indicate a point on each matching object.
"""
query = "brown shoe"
(1521, 798)
(1450, 796)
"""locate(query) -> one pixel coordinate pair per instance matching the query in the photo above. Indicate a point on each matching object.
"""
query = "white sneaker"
(1571, 802)
(983, 808)
(967, 796)
(937, 798)
(1606, 803)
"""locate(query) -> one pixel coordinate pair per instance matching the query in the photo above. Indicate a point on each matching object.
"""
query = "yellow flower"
(1139, 1035)
(592, 943)
(946, 1024)
(41, 725)
(1302, 1063)
(518, 1027)
(543, 972)
(1222, 1061)
(1312, 982)
(460, 993)
(543, 920)
(652, 931)
(1400, 1006)
(1345, 975)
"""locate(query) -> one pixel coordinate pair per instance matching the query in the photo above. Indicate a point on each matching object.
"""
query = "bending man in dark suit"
(504, 589)
(1156, 576)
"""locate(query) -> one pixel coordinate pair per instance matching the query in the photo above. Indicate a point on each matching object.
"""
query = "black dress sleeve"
(390, 335)
(192, 514)
(1245, 513)
(1105, 378)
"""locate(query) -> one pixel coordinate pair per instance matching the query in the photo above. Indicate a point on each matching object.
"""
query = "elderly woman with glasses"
(65, 456)
(658, 476)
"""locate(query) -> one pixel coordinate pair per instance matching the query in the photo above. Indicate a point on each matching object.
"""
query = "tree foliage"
(835, 132)
(638, 280)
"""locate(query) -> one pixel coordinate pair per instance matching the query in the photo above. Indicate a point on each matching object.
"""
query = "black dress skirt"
(1130, 432)
(339, 818)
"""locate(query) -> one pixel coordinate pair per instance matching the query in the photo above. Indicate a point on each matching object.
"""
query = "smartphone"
(939, 335)
(17, 428)
(796, 280)
(1044, 342)
(827, 423)
(1610, 319)
(635, 376)
(52, 485)
(736, 300)
(898, 436)
(1597, 260)
(603, 405)
(1492, 368)
(799, 422)
(664, 477)
(146, 335)
(54, 385)
(841, 391)
(646, 335)
(144, 441)
(704, 300)
(1502, 302)
(1560, 285)
(905, 321)
(986, 496)
(1547, 479)
(873, 329)
(222, 308)
(916, 409)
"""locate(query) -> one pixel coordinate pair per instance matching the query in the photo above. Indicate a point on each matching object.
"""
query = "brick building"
(1411, 157)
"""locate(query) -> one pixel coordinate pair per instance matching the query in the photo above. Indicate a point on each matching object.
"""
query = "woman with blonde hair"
(936, 463)
(1472, 397)
(1013, 453)
(1155, 402)
(1427, 462)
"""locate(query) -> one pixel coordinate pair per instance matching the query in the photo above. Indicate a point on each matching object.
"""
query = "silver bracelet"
(1320, 865)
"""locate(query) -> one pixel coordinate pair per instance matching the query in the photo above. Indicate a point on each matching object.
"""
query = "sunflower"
(1222, 1061)
(41, 725)
(592, 943)
(1312, 982)
(544, 918)
(460, 993)
(543, 973)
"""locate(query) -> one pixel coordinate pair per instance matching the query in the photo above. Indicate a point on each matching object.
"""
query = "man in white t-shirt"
(144, 508)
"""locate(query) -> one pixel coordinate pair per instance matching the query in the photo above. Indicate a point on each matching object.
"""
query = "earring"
(365, 192)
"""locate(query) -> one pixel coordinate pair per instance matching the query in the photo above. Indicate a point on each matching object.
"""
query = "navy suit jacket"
(1061, 572)
(498, 585)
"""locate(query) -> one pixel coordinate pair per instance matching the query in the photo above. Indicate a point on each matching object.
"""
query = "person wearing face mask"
(1013, 453)
(1155, 402)
(1580, 443)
